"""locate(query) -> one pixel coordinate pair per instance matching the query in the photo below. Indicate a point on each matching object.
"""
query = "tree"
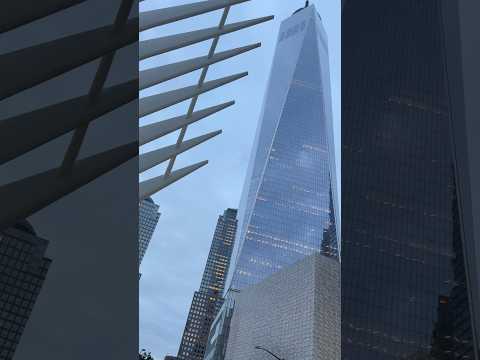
(144, 355)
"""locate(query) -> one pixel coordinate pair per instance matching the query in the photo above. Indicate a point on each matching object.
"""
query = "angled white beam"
(149, 19)
(156, 157)
(160, 74)
(151, 186)
(39, 191)
(27, 131)
(162, 45)
(157, 130)
(18, 13)
(42, 62)
(151, 104)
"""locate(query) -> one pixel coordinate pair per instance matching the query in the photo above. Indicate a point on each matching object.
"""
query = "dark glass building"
(148, 219)
(289, 204)
(23, 269)
(207, 301)
(405, 293)
(220, 328)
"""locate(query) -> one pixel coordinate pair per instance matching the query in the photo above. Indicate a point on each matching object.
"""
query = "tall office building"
(405, 293)
(148, 219)
(23, 268)
(289, 204)
(463, 56)
(207, 301)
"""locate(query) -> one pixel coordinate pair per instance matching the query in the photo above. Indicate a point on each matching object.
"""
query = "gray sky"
(173, 265)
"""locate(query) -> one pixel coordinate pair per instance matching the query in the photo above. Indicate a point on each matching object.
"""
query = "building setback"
(207, 301)
(294, 313)
(23, 269)
(148, 219)
(405, 293)
(289, 206)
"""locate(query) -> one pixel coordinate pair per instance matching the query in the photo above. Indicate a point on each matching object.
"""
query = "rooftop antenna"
(306, 5)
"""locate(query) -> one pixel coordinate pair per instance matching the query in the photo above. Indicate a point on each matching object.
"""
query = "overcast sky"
(173, 265)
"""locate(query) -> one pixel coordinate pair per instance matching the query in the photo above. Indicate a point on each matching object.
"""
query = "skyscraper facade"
(289, 204)
(148, 219)
(23, 268)
(207, 301)
(405, 293)
(219, 330)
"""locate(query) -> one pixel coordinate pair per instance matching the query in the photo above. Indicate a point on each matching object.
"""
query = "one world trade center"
(289, 207)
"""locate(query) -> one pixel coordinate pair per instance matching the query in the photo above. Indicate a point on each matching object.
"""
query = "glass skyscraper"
(405, 292)
(207, 301)
(289, 204)
(23, 268)
(148, 219)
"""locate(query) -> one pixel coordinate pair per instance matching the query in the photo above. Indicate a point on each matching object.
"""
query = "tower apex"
(307, 3)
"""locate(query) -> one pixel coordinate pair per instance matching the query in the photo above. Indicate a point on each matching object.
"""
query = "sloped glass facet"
(289, 204)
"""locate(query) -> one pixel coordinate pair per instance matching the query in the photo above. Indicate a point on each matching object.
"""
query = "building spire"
(307, 3)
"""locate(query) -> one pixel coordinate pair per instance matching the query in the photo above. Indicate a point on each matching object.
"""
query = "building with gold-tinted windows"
(207, 301)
